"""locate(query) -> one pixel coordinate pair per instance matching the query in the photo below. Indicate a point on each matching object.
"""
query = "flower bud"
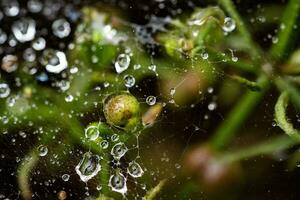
(122, 110)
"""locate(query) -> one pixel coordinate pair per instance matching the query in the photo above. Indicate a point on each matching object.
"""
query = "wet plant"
(84, 86)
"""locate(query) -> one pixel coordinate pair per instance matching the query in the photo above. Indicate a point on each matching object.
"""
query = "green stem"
(24, 172)
(230, 8)
(267, 147)
(285, 85)
(287, 30)
(281, 119)
(239, 114)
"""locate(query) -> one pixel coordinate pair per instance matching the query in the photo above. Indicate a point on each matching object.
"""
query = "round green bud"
(122, 110)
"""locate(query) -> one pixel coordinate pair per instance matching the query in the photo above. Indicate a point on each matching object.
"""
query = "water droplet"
(4, 90)
(114, 137)
(210, 90)
(129, 81)
(69, 98)
(29, 55)
(43, 150)
(172, 91)
(151, 100)
(119, 150)
(234, 58)
(229, 24)
(212, 106)
(91, 133)
(152, 67)
(122, 63)
(88, 167)
(55, 61)
(9, 63)
(39, 44)
(65, 177)
(3, 37)
(11, 8)
(61, 28)
(104, 144)
(117, 182)
(204, 55)
(99, 187)
(24, 29)
(34, 6)
(135, 170)
(136, 66)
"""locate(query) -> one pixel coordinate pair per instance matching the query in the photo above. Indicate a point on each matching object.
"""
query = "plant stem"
(281, 119)
(24, 172)
(267, 147)
(285, 85)
(287, 30)
(230, 8)
(239, 114)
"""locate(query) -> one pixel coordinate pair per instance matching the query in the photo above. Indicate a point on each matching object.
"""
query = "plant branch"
(287, 30)
(239, 114)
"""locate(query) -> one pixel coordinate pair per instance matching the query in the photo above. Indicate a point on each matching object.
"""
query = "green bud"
(122, 110)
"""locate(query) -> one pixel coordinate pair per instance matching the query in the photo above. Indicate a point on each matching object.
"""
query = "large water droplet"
(135, 170)
(4, 90)
(24, 29)
(122, 63)
(55, 61)
(88, 167)
(119, 150)
(117, 182)
(91, 133)
(61, 28)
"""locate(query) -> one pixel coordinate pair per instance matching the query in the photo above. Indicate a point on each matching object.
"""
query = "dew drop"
(24, 29)
(3, 37)
(34, 6)
(55, 61)
(129, 81)
(114, 137)
(135, 170)
(212, 106)
(61, 28)
(151, 100)
(172, 91)
(117, 182)
(65, 177)
(92, 133)
(122, 63)
(69, 98)
(204, 55)
(43, 150)
(9, 63)
(119, 150)
(11, 8)
(39, 44)
(229, 24)
(4, 90)
(104, 144)
(88, 167)
(29, 55)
